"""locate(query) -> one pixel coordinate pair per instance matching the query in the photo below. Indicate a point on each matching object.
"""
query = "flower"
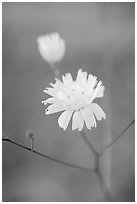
(76, 98)
(51, 47)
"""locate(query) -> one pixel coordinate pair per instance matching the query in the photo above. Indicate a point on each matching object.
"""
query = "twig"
(110, 144)
(97, 167)
(103, 186)
(45, 156)
(93, 150)
(88, 143)
(55, 70)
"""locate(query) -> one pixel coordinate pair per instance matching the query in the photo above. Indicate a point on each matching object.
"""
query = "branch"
(111, 143)
(88, 143)
(103, 186)
(92, 148)
(45, 156)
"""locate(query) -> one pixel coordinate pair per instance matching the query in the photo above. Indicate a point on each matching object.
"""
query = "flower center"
(74, 99)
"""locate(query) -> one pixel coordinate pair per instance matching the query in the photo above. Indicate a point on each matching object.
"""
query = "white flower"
(76, 98)
(51, 47)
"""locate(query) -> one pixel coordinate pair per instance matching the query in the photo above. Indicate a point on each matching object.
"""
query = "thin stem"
(32, 144)
(103, 186)
(55, 70)
(92, 149)
(97, 167)
(111, 143)
(45, 156)
(88, 143)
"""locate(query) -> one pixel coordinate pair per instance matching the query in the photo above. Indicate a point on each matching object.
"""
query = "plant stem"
(6, 139)
(103, 186)
(55, 70)
(88, 143)
(97, 167)
(32, 144)
(111, 143)
(92, 149)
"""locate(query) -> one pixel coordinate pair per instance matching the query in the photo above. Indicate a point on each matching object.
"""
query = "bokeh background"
(100, 38)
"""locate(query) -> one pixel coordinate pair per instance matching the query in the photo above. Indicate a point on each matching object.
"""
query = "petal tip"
(44, 102)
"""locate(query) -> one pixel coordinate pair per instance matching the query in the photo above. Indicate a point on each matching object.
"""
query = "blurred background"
(100, 39)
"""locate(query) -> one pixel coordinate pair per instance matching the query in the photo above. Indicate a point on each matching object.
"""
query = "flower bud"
(51, 47)
(30, 135)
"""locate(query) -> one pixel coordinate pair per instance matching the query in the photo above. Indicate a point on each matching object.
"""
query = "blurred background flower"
(100, 38)
(51, 47)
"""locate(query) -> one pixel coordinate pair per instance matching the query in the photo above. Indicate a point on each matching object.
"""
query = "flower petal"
(100, 92)
(64, 119)
(78, 121)
(91, 83)
(50, 91)
(50, 100)
(54, 108)
(81, 77)
(89, 117)
(58, 86)
(67, 80)
(97, 110)
(42, 52)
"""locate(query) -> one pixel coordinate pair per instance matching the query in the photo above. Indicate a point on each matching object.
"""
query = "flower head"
(51, 47)
(76, 98)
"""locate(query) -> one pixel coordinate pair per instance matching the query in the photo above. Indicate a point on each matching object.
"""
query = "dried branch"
(45, 156)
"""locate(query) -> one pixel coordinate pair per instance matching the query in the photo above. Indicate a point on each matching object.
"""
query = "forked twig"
(103, 186)
(45, 156)
(93, 150)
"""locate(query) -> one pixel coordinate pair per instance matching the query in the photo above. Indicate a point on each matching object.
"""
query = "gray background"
(100, 38)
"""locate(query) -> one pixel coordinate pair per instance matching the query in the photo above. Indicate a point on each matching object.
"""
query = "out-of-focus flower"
(76, 98)
(51, 47)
